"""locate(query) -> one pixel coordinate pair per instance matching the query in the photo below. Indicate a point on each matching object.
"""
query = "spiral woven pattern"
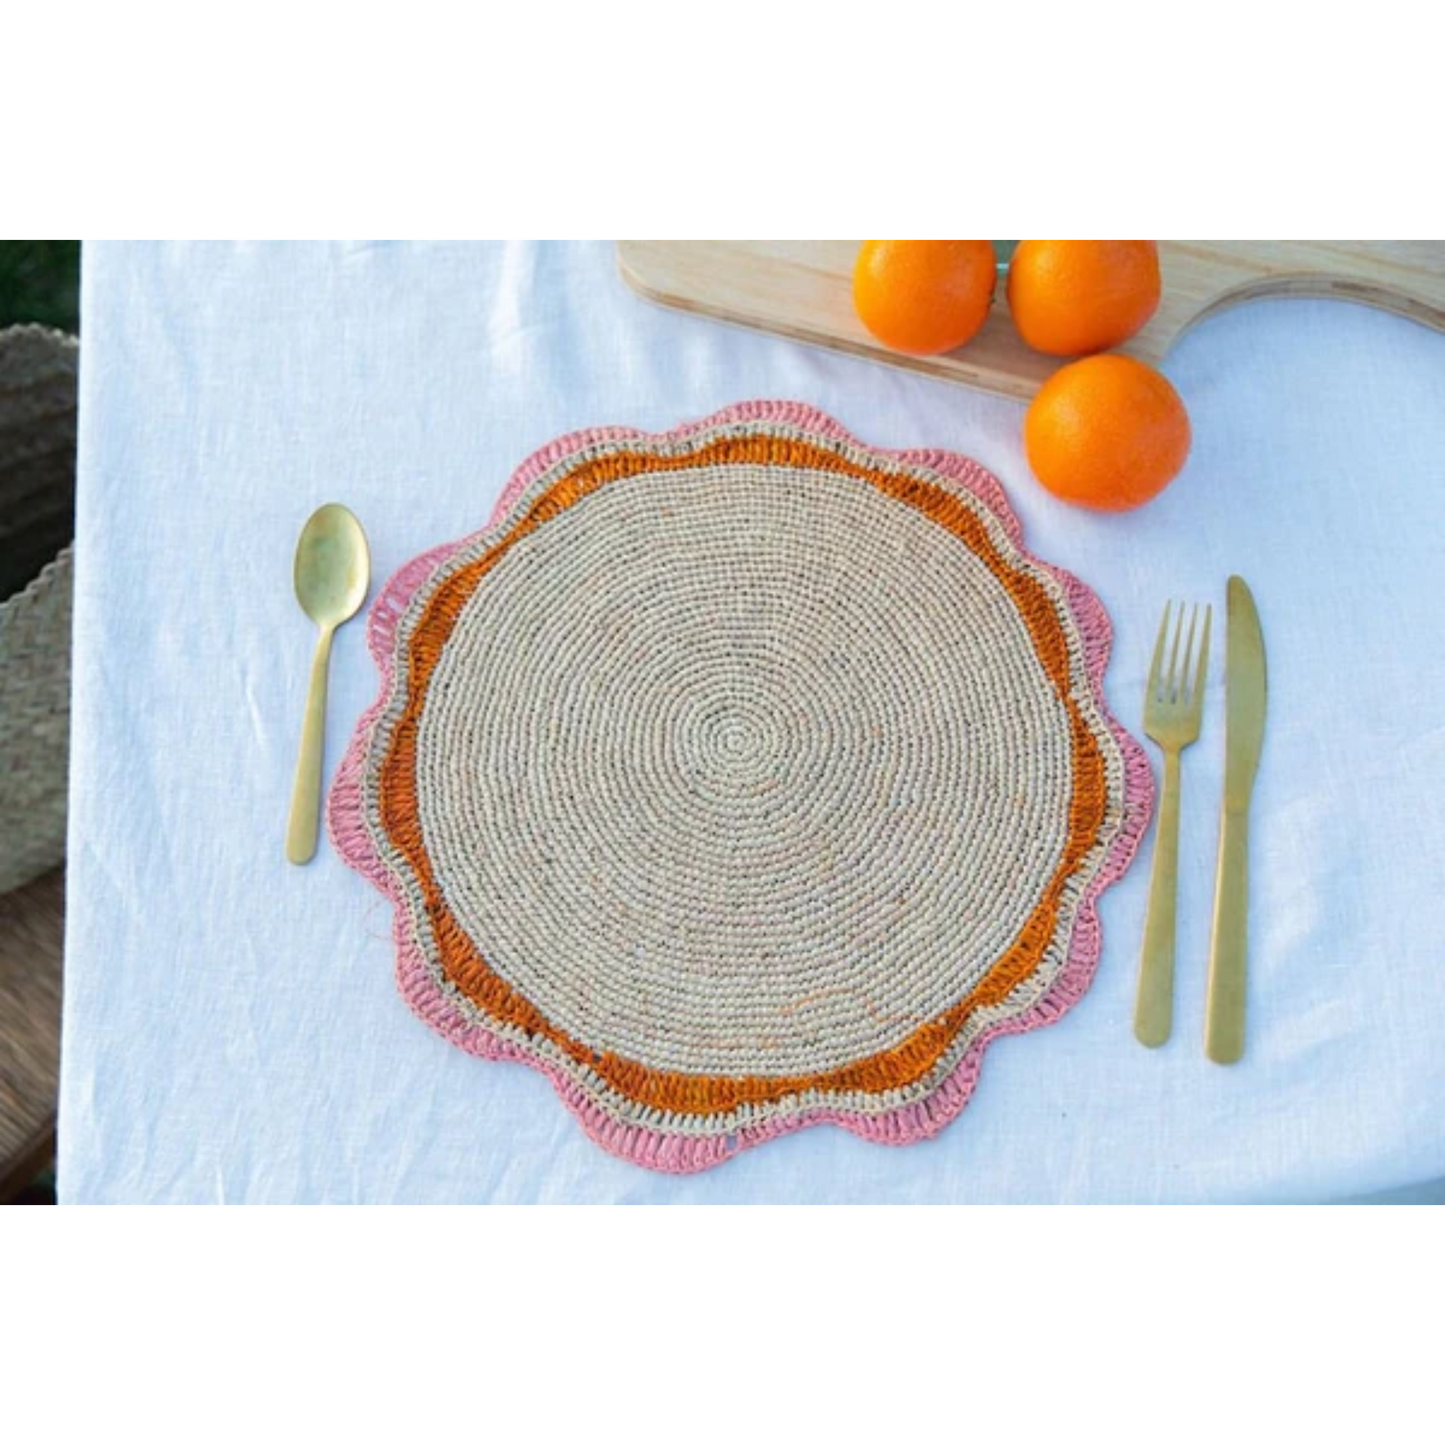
(741, 777)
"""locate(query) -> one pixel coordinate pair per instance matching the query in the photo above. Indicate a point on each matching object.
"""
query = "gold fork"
(1173, 706)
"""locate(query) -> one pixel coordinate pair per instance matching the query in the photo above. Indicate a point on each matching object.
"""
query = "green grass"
(40, 282)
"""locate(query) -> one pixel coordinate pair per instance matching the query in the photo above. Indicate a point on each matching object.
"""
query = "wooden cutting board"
(803, 290)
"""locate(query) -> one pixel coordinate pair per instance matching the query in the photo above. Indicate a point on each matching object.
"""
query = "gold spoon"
(333, 570)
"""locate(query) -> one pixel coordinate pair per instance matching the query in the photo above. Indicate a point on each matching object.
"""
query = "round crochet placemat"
(739, 778)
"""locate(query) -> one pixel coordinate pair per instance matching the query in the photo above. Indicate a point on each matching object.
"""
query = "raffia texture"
(741, 778)
(37, 474)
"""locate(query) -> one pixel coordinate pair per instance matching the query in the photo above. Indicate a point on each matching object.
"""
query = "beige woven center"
(742, 771)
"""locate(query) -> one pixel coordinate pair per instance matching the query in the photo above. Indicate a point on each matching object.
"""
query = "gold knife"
(1244, 707)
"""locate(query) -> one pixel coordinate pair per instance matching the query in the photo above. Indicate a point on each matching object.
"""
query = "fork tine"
(1186, 668)
(1203, 668)
(1171, 690)
(1156, 677)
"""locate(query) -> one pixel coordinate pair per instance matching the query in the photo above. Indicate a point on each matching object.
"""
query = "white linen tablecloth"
(231, 1027)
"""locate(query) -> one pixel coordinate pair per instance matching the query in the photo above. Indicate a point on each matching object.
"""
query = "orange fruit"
(1106, 432)
(924, 297)
(1069, 298)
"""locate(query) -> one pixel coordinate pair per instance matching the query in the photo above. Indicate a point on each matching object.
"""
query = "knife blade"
(1245, 702)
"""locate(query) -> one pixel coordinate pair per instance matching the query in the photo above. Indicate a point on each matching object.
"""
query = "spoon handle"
(301, 831)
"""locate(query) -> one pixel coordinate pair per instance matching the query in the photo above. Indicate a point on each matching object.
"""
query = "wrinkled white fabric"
(231, 1027)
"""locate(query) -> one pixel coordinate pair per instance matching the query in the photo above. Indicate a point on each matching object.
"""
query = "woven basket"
(38, 370)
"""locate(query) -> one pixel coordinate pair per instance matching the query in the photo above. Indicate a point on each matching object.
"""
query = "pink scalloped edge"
(681, 1153)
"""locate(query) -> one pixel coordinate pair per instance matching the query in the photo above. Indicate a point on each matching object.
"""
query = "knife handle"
(1224, 1020)
(1154, 1008)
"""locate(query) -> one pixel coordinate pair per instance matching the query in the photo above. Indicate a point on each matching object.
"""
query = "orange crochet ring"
(741, 778)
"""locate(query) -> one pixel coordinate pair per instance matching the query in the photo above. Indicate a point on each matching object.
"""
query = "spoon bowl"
(333, 566)
(333, 571)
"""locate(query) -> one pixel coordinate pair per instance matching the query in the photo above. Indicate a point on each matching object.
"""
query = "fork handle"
(1154, 1008)
(1228, 951)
